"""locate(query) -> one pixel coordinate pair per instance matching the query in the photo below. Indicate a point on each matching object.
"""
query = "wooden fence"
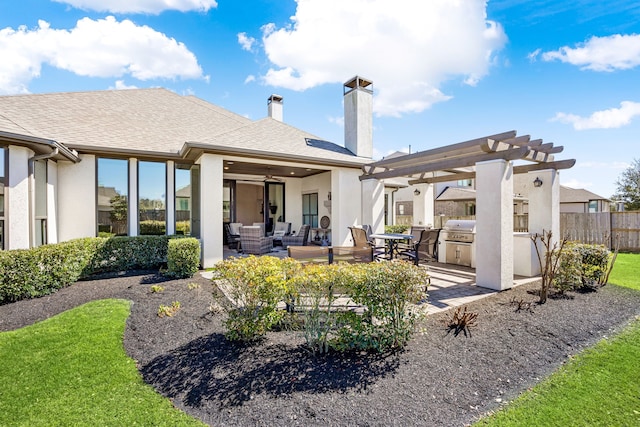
(592, 228)
(603, 228)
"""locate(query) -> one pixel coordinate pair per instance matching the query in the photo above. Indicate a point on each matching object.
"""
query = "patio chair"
(280, 230)
(351, 254)
(300, 239)
(262, 227)
(253, 241)
(360, 240)
(232, 239)
(424, 249)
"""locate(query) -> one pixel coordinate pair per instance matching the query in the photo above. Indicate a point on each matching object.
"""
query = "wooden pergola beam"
(558, 165)
(433, 166)
(448, 151)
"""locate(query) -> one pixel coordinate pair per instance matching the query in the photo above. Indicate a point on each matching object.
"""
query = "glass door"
(274, 204)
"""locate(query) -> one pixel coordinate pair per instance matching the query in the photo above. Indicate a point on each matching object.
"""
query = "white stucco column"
(17, 217)
(211, 179)
(423, 205)
(170, 209)
(346, 204)
(77, 213)
(373, 204)
(544, 203)
(494, 224)
(52, 202)
(133, 214)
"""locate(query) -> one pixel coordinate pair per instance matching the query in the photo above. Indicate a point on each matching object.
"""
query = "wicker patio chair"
(253, 241)
(300, 239)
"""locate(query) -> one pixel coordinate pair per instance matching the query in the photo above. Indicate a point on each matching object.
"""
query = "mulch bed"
(440, 379)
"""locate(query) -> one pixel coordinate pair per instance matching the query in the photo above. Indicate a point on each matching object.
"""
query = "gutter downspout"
(32, 197)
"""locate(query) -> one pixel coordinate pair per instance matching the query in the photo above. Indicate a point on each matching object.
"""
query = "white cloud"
(605, 119)
(121, 85)
(250, 78)
(407, 48)
(603, 165)
(533, 56)
(246, 42)
(575, 183)
(339, 121)
(100, 48)
(616, 52)
(141, 6)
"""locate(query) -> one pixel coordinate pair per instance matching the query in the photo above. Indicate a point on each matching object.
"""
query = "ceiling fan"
(270, 177)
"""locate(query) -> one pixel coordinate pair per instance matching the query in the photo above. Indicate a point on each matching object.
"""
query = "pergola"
(490, 160)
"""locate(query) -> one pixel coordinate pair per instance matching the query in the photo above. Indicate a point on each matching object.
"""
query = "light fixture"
(537, 182)
(416, 192)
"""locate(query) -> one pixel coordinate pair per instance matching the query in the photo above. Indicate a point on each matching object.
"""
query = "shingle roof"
(456, 193)
(577, 195)
(156, 121)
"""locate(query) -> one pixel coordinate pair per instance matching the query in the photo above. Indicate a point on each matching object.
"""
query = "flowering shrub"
(256, 285)
(386, 290)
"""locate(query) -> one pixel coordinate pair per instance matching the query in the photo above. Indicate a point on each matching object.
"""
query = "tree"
(629, 187)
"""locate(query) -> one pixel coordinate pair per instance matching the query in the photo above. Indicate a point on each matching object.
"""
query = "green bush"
(398, 228)
(183, 257)
(183, 227)
(35, 272)
(386, 290)
(581, 266)
(256, 286)
(316, 285)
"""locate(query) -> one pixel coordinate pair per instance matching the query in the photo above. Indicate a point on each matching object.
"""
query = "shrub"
(256, 285)
(316, 285)
(386, 290)
(183, 227)
(183, 257)
(582, 266)
(398, 228)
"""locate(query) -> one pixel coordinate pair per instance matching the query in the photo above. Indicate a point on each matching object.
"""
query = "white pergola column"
(423, 205)
(170, 208)
(132, 206)
(373, 204)
(17, 216)
(494, 224)
(211, 180)
(75, 219)
(346, 204)
(544, 203)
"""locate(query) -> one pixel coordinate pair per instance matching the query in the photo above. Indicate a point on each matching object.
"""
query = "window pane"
(183, 199)
(152, 178)
(113, 184)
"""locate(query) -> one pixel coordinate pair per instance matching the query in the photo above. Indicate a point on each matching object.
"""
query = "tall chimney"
(275, 107)
(358, 116)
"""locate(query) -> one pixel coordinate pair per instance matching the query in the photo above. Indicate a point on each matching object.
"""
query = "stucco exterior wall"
(77, 198)
(17, 194)
(52, 202)
(211, 178)
(346, 204)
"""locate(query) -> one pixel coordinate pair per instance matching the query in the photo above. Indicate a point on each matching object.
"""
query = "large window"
(113, 184)
(3, 177)
(187, 200)
(593, 206)
(310, 209)
(152, 184)
(40, 179)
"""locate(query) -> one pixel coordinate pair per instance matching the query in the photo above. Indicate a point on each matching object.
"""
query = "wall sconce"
(416, 192)
(537, 182)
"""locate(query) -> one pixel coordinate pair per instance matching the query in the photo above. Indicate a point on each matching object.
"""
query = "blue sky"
(444, 71)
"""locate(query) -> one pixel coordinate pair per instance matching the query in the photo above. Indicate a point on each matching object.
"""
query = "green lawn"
(626, 271)
(599, 387)
(71, 369)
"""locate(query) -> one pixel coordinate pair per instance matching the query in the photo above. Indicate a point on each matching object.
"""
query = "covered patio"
(501, 254)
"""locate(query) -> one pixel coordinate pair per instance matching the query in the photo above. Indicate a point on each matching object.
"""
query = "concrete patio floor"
(451, 285)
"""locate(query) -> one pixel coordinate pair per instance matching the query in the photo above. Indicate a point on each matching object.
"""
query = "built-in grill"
(458, 239)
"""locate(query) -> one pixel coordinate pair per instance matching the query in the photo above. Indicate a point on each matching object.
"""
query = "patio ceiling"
(457, 161)
(246, 168)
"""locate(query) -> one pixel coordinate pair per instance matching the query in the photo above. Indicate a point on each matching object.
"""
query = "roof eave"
(40, 145)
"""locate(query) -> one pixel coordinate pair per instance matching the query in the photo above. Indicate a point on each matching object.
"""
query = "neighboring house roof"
(157, 122)
(456, 194)
(577, 195)
(184, 192)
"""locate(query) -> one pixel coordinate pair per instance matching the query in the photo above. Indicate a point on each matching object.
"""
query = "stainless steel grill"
(458, 237)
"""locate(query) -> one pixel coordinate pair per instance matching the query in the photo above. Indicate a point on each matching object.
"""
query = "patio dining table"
(392, 240)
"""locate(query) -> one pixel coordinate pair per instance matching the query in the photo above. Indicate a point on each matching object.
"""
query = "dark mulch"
(440, 379)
